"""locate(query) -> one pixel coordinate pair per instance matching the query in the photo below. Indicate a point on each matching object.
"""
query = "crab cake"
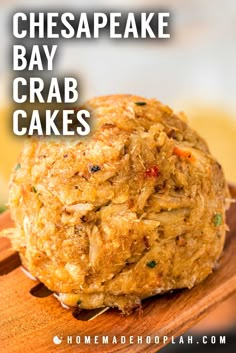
(133, 210)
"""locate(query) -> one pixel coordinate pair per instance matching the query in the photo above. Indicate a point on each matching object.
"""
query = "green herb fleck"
(140, 103)
(18, 166)
(34, 190)
(151, 264)
(2, 209)
(217, 220)
(79, 302)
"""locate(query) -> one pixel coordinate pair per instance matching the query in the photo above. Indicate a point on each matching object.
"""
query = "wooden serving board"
(28, 324)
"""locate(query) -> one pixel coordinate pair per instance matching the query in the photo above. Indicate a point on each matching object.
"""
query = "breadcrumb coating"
(133, 210)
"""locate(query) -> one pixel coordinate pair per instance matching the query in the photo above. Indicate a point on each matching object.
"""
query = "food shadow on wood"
(9, 264)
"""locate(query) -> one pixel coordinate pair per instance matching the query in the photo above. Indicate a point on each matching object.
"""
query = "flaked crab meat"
(135, 209)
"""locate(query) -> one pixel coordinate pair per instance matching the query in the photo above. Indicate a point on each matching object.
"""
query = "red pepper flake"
(183, 153)
(152, 172)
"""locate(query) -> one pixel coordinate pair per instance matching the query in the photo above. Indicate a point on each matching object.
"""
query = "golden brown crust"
(123, 214)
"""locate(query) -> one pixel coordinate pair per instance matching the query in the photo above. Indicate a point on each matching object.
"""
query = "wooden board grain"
(28, 324)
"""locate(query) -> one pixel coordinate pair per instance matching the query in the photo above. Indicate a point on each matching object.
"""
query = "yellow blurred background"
(218, 127)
